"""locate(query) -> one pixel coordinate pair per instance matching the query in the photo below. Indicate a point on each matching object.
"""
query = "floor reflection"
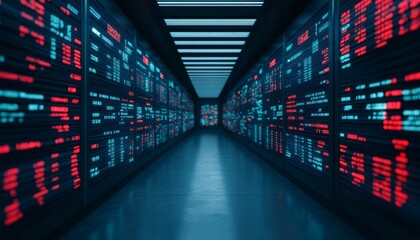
(210, 187)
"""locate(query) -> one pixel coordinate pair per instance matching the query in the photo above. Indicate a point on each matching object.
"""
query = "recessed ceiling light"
(211, 43)
(209, 67)
(204, 78)
(209, 71)
(209, 76)
(209, 86)
(215, 81)
(210, 22)
(208, 83)
(208, 58)
(209, 63)
(210, 4)
(209, 50)
(209, 34)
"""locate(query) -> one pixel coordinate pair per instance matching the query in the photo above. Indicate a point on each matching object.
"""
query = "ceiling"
(209, 45)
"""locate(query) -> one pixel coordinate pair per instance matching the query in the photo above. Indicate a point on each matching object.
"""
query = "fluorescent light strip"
(208, 80)
(208, 74)
(208, 58)
(210, 22)
(210, 43)
(209, 63)
(201, 77)
(209, 67)
(209, 88)
(213, 83)
(209, 71)
(223, 77)
(209, 34)
(210, 4)
(209, 50)
(209, 83)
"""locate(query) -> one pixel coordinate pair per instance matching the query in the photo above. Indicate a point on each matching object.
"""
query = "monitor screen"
(379, 105)
(209, 115)
(111, 91)
(40, 106)
(308, 103)
(273, 103)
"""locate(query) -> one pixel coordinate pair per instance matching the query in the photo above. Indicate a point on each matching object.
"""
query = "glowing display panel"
(307, 90)
(161, 112)
(209, 115)
(242, 109)
(255, 111)
(145, 127)
(379, 105)
(273, 104)
(40, 81)
(175, 114)
(188, 117)
(230, 115)
(111, 87)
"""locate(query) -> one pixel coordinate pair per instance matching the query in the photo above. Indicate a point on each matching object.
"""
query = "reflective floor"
(210, 187)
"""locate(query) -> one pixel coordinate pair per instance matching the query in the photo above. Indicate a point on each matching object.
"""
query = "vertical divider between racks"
(283, 98)
(136, 161)
(335, 95)
(84, 97)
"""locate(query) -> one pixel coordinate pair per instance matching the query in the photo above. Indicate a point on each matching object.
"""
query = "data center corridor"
(209, 119)
(210, 187)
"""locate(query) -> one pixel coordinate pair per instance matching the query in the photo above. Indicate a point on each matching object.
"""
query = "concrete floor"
(210, 187)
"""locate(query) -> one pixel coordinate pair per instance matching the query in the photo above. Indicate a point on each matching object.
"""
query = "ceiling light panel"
(209, 71)
(209, 63)
(201, 77)
(208, 74)
(210, 22)
(163, 3)
(209, 79)
(209, 58)
(209, 67)
(209, 34)
(208, 85)
(210, 43)
(209, 82)
(209, 50)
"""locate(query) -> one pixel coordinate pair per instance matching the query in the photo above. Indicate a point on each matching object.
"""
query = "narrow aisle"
(210, 187)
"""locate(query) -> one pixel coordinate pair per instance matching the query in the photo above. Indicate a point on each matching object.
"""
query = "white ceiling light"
(209, 83)
(209, 63)
(209, 67)
(210, 22)
(209, 50)
(208, 75)
(208, 58)
(209, 34)
(209, 71)
(211, 43)
(210, 4)
(209, 79)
